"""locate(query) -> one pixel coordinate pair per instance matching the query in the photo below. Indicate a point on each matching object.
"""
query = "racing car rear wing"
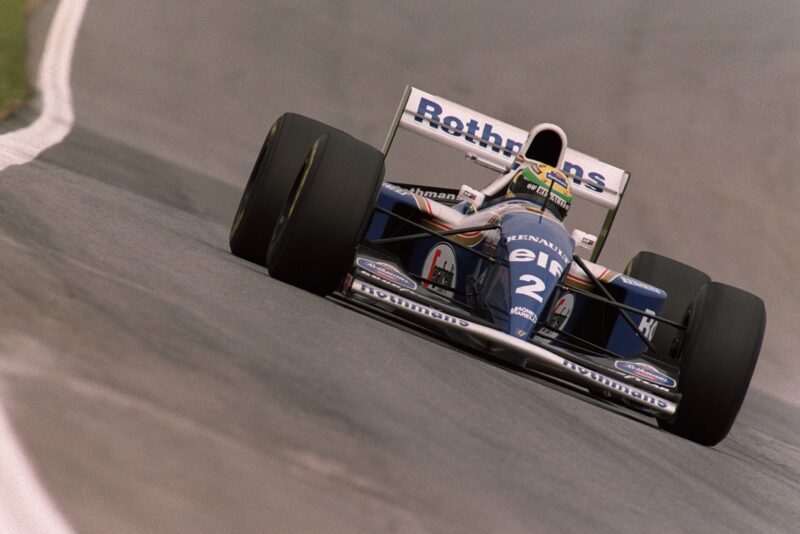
(495, 144)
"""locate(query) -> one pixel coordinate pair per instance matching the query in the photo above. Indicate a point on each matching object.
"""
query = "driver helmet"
(533, 180)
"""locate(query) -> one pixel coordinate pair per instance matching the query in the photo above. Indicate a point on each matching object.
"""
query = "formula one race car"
(496, 269)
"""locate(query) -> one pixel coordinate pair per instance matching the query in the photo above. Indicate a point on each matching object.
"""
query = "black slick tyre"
(326, 214)
(725, 327)
(681, 282)
(281, 156)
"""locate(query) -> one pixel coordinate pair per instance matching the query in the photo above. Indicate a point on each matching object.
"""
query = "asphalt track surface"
(159, 384)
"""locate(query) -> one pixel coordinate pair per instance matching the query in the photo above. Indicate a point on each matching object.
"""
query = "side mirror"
(473, 196)
(584, 239)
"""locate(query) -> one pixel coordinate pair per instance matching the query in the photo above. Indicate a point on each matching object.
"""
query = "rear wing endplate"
(495, 144)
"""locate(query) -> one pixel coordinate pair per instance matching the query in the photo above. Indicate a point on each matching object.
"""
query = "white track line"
(55, 122)
(25, 506)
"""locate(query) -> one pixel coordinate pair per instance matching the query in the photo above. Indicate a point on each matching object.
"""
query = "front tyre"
(326, 214)
(681, 282)
(281, 156)
(725, 327)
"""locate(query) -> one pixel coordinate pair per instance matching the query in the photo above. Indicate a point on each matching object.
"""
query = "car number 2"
(532, 290)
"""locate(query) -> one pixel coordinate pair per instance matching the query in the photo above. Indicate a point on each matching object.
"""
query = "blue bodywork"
(519, 291)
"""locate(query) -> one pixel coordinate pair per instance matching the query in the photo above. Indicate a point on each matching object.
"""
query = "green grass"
(13, 79)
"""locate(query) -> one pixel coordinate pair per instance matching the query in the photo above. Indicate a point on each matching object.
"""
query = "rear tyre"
(326, 214)
(681, 282)
(718, 356)
(284, 150)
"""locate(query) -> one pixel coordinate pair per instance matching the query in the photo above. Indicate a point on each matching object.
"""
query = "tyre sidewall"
(725, 329)
(313, 246)
(271, 178)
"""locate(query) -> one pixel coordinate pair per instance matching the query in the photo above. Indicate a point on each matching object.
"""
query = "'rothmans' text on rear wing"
(496, 143)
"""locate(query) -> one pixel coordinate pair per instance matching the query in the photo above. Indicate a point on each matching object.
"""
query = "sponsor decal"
(646, 372)
(440, 195)
(470, 195)
(539, 240)
(386, 271)
(397, 189)
(410, 305)
(420, 309)
(610, 383)
(521, 311)
(627, 280)
(542, 191)
(533, 290)
(430, 112)
(542, 259)
(487, 135)
(382, 280)
(561, 188)
(558, 178)
(594, 181)
(562, 311)
(648, 324)
(440, 268)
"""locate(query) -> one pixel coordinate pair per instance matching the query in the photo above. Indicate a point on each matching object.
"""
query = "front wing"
(535, 356)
